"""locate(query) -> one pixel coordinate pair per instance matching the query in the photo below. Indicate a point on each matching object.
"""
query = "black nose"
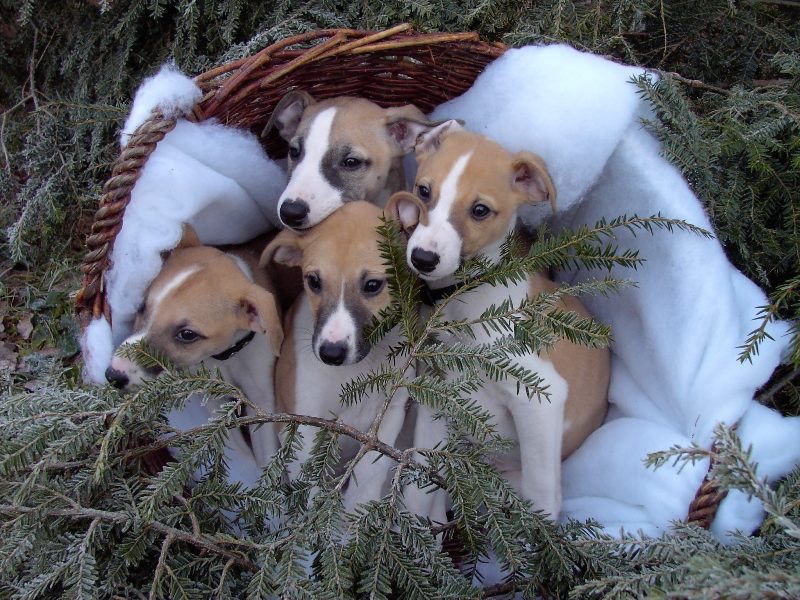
(293, 213)
(116, 378)
(333, 353)
(423, 260)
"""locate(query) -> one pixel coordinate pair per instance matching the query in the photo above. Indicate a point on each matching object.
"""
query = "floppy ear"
(430, 140)
(531, 179)
(189, 238)
(284, 249)
(407, 210)
(288, 112)
(260, 312)
(405, 124)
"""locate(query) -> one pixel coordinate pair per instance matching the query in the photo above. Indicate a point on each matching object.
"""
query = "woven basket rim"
(233, 81)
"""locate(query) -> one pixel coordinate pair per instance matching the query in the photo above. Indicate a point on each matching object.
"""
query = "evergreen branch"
(203, 542)
(784, 298)
(155, 586)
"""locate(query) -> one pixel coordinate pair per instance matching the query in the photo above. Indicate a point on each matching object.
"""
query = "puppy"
(467, 193)
(340, 150)
(345, 286)
(215, 308)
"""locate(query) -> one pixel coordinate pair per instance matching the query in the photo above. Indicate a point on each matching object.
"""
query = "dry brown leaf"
(25, 327)
(8, 356)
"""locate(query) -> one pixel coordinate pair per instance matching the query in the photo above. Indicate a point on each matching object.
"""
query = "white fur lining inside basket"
(675, 372)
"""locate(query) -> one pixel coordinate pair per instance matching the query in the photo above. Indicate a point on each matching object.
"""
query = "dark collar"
(431, 296)
(237, 347)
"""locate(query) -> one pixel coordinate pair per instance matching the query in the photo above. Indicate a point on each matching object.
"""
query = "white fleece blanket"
(675, 372)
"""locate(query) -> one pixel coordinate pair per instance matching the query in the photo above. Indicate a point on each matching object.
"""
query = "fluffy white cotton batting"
(169, 90)
(97, 348)
(675, 372)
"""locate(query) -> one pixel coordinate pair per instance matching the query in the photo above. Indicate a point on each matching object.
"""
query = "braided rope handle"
(108, 218)
(708, 497)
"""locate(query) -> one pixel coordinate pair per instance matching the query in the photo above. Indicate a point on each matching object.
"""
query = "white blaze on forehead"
(162, 293)
(340, 326)
(307, 181)
(136, 374)
(439, 235)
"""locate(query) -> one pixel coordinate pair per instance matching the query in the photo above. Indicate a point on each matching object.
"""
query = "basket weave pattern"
(392, 67)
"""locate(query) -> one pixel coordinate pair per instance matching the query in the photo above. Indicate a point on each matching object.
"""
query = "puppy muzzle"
(294, 213)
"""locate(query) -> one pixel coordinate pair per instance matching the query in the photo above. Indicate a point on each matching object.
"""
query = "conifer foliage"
(83, 517)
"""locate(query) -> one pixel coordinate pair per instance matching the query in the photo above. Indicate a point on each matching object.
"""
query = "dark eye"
(314, 283)
(424, 192)
(372, 287)
(480, 212)
(187, 336)
(140, 310)
(351, 162)
(295, 149)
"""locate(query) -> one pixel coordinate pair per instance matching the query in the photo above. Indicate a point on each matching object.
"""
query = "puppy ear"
(529, 177)
(406, 210)
(284, 249)
(260, 312)
(189, 238)
(405, 124)
(431, 139)
(288, 112)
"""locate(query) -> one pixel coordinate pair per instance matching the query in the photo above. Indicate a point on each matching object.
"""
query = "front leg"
(539, 426)
(428, 432)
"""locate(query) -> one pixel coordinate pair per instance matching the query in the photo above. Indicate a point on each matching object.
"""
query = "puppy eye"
(313, 282)
(140, 310)
(351, 162)
(187, 336)
(373, 287)
(295, 149)
(480, 212)
(424, 192)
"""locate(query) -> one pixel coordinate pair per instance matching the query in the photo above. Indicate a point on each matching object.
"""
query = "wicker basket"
(392, 67)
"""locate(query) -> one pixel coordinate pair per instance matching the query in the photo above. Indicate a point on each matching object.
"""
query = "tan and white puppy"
(345, 287)
(215, 308)
(467, 193)
(341, 149)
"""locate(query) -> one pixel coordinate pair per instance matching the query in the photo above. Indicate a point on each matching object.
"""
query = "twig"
(162, 562)
(767, 395)
(789, 3)
(31, 70)
(202, 542)
(222, 577)
(499, 589)
(192, 517)
(327, 424)
(3, 129)
(697, 84)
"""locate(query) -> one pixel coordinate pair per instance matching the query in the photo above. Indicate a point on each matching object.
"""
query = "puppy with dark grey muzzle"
(341, 149)
(324, 348)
